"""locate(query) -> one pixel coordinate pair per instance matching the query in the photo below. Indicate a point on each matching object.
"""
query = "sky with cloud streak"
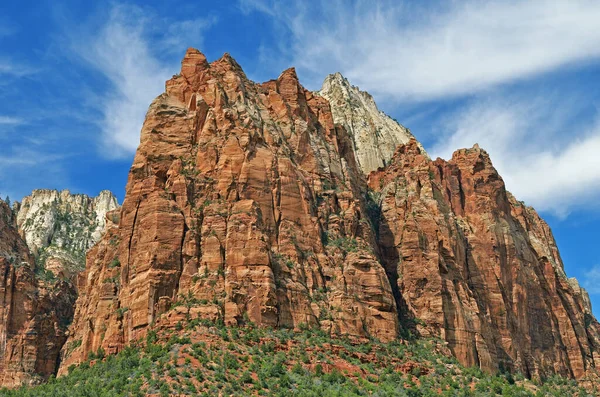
(519, 78)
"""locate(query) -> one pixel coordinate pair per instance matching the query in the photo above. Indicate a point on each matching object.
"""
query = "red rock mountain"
(245, 199)
(43, 241)
(480, 269)
(245, 203)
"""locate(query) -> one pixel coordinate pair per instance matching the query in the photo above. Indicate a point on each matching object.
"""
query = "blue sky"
(519, 78)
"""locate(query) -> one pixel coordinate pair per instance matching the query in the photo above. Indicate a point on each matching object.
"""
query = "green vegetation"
(347, 244)
(114, 263)
(373, 209)
(207, 359)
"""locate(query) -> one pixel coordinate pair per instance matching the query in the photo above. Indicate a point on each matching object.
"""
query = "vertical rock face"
(244, 199)
(374, 134)
(478, 268)
(34, 314)
(59, 227)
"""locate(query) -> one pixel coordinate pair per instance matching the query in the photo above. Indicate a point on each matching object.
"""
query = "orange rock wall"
(245, 203)
(478, 268)
(245, 199)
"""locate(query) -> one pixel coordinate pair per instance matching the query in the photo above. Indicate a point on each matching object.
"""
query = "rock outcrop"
(60, 227)
(480, 269)
(374, 134)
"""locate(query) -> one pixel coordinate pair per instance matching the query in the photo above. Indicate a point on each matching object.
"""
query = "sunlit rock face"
(62, 227)
(247, 199)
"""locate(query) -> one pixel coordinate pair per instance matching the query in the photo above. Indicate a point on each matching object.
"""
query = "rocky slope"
(246, 204)
(205, 359)
(374, 134)
(43, 242)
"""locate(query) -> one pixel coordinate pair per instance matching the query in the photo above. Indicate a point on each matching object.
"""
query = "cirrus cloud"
(127, 50)
(410, 52)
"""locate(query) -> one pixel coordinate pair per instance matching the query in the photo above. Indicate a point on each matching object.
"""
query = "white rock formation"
(62, 225)
(375, 134)
(584, 294)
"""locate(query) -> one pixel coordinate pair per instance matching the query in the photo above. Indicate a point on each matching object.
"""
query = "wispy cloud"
(591, 280)
(544, 158)
(12, 68)
(23, 167)
(11, 121)
(408, 52)
(128, 50)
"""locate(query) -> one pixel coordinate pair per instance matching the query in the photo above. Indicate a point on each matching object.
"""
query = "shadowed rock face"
(480, 269)
(34, 314)
(43, 242)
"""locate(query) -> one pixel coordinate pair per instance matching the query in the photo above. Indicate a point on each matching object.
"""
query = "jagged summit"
(375, 135)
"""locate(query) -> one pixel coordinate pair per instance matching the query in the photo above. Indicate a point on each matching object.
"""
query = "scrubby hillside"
(204, 359)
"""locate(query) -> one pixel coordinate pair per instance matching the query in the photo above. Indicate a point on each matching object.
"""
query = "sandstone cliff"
(246, 203)
(480, 269)
(243, 201)
(374, 134)
(34, 314)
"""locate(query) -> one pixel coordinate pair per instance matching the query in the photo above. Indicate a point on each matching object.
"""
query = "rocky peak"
(245, 198)
(63, 225)
(479, 269)
(375, 135)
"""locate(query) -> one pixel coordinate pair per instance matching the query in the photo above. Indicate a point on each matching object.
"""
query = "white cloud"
(12, 121)
(544, 160)
(10, 68)
(591, 280)
(127, 50)
(5, 67)
(411, 53)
